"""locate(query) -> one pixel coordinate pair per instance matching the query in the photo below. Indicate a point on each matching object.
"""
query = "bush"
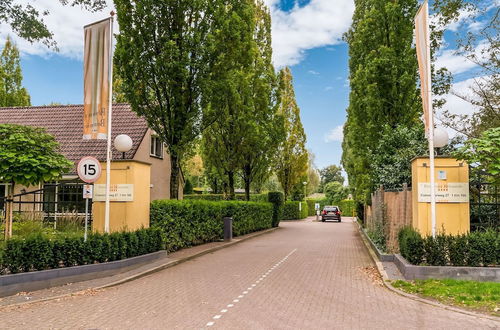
(411, 245)
(38, 252)
(220, 197)
(474, 249)
(311, 203)
(191, 222)
(277, 199)
(347, 207)
(291, 211)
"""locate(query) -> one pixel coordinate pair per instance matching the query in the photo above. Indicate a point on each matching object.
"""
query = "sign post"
(89, 171)
(87, 194)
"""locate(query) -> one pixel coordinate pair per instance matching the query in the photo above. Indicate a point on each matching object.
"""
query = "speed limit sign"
(89, 169)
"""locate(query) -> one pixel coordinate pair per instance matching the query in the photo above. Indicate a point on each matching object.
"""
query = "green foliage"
(311, 203)
(39, 252)
(188, 187)
(277, 199)
(484, 152)
(474, 249)
(221, 197)
(12, 93)
(29, 155)
(192, 222)
(330, 174)
(377, 236)
(292, 156)
(27, 22)
(383, 84)
(291, 211)
(391, 161)
(347, 207)
(162, 56)
(335, 192)
(411, 245)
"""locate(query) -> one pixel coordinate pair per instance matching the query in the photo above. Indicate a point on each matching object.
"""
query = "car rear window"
(331, 209)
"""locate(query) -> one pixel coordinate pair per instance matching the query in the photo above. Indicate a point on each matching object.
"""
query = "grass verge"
(479, 296)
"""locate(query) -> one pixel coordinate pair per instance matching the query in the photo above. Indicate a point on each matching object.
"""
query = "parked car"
(331, 213)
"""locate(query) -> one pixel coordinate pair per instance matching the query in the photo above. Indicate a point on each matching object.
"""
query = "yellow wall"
(454, 218)
(125, 215)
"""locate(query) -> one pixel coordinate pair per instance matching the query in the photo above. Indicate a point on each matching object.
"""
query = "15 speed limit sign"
(89, 169)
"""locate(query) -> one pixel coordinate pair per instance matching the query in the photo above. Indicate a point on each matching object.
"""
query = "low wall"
(380, 255)
(412, 272)
(31, 281)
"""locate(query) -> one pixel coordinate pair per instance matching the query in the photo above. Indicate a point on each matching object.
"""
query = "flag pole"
(109, 154)
(431, 128)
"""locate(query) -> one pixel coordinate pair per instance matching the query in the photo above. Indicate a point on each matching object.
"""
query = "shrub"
(411, 245)
(474, 249)
(291, 211)
(191, 222)
(277, 199)
(348, 207)
(311, 203)
(38, 252)
(220, 197)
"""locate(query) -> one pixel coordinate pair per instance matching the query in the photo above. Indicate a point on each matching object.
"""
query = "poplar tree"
(291, 162)
(229, 98)
(12, 93)
(162, 57)
(383, 81)
(265, 124)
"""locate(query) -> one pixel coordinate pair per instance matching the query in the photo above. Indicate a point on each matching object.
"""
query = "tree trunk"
(230, 177)
(9, 212)
(246, 178)
(174, 176)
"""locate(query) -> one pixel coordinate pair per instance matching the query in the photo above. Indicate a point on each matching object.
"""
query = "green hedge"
(38, 252)
(191, 222)
(311, 203)
(220, 197)
(474, 249)
(347, 207)
(277, 199)
(291, 211)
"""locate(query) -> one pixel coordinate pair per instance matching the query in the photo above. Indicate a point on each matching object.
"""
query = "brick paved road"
(307, 275)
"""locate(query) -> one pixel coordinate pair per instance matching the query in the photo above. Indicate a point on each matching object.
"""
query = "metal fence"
(53, 203)
(484, 201)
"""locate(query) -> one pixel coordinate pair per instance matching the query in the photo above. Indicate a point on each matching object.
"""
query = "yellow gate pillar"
(452, 195)
(129, 196)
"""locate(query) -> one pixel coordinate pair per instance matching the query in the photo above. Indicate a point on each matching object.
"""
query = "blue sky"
(306, 36)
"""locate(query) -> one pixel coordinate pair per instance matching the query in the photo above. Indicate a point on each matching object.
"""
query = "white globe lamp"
(123, 143)
(440, 137)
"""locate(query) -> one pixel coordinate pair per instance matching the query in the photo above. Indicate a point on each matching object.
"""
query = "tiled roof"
(65, 123)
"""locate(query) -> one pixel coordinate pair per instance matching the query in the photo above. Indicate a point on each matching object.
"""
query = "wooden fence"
(389, 212)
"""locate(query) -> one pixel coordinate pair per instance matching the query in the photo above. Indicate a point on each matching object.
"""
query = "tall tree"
(12, 93)
(265, 124)
(229, 98)
(162, 56)
(27, 22)
(330, 174)
(313, 175)
(383, 80)
(291, 163)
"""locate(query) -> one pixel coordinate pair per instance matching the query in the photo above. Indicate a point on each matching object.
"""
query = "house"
(65, 123)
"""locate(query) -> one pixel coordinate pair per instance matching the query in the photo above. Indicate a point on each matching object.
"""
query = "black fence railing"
(484, 201)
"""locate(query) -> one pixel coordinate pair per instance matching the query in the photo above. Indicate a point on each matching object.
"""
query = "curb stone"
(389, 286)
(144, 273)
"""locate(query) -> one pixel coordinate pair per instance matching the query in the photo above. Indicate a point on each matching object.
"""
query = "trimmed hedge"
(311, 203)
(38, 252)
(277, 199)
(475, 249)
(220, 197)
(191, 222)
(347, 207)
(291, 211)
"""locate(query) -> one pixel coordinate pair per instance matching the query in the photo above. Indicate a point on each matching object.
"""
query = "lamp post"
(439, 139)
(305, 189)
(123, 143)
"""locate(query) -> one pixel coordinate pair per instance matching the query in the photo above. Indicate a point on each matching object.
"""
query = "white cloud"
(313, 72)
(65, 22)
(335, 135)
(319, 23)
(457, 63)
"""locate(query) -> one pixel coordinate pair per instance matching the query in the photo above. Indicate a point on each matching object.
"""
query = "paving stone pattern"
(307, 275)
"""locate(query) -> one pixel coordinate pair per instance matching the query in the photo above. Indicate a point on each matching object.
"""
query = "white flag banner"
(97, 66)
(422, 39)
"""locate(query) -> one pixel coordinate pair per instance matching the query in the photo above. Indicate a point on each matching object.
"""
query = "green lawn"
(480, 296)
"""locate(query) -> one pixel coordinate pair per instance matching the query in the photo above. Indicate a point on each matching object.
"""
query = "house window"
(156, 147)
